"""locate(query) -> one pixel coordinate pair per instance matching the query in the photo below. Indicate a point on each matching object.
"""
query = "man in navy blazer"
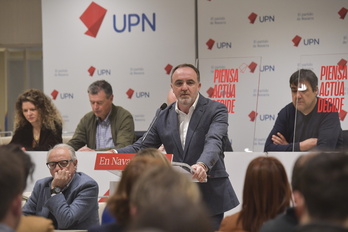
(194, 130)
(68, 197)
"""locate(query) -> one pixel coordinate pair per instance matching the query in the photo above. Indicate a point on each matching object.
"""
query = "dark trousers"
(216, 221)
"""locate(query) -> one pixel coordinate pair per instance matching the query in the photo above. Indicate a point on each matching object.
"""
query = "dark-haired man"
(324, 187)
(300, 126)
(194, 129)
(16, 166)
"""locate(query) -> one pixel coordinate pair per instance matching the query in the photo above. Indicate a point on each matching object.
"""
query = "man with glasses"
(68, 197)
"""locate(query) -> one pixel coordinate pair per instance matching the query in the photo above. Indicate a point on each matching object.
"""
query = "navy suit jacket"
(75, 208)
(205, 142)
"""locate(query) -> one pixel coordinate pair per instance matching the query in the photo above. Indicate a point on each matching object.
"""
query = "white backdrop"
(256, 37)
(266, 41)
(162, 34)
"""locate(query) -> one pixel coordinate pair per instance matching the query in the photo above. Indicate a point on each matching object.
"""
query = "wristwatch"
(56, 190)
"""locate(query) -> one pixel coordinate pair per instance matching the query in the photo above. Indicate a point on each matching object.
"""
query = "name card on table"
(116, 161)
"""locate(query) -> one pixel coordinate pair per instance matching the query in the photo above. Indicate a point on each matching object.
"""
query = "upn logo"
(262, 19)
(56, 94)
(307, 41)
(100, 72)
(219, 45)
(93, 17)
(342, 13)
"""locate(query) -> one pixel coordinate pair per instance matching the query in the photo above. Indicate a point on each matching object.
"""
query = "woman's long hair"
(48, 113)
(266, 192)
(118, 203)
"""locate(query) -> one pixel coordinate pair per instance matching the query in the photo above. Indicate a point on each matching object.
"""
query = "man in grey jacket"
(68, 197)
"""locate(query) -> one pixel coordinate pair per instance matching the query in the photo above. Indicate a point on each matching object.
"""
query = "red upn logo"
(252, 66)
(210, 43)
(252, 17)
(296, 40)
(93, 17)
(54, 94)
(130, 93)
(342, 13)
(168, 68)
(91, 71)
(342, 115)
(253, 116)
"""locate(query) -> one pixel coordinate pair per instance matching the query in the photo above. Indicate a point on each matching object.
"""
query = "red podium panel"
(116, 161)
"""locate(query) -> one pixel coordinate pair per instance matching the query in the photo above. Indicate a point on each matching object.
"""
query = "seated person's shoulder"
(121, 110)
(85, 179)
(35, 223)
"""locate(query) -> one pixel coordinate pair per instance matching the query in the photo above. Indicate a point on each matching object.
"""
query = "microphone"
(163, 106)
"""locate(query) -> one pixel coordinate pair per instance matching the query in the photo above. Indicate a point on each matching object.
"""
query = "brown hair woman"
(266, 193)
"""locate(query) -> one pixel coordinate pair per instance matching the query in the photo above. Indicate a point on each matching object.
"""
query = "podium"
(117, 162)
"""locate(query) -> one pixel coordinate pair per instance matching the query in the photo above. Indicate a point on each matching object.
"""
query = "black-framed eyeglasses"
(62, 164)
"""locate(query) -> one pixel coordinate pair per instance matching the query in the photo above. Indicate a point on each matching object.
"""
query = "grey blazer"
(205, 142)
(75, 208)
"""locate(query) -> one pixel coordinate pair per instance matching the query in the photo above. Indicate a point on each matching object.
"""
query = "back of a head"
(119, 201)
(155, 153)
(173, 215)
(173, 200)
(297, 170)
(16, 166)
(266, 192)
(325, 187)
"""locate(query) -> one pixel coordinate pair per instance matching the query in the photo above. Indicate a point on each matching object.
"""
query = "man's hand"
(61, 178)
(279, 139)
(199, 173)
(308, 144)
(85, 148)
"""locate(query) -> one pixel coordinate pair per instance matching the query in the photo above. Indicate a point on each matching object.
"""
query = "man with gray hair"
(68, 197)
(107, 126)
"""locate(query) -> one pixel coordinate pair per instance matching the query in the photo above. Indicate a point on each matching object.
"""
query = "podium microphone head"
(163, 106)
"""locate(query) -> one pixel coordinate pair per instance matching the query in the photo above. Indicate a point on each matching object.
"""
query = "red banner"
(116, 161)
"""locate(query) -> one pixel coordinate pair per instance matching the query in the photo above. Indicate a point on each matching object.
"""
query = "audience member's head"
(16, 166)
(296, 177)
(266, 192)
(166, 200)
(155, 153)
(119, 202)
(324, 187)
(34, 107)
(100, 97)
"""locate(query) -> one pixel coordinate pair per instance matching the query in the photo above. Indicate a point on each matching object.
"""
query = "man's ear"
(16, 205)
(316, 90)
(300, 207)
(133, 210)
